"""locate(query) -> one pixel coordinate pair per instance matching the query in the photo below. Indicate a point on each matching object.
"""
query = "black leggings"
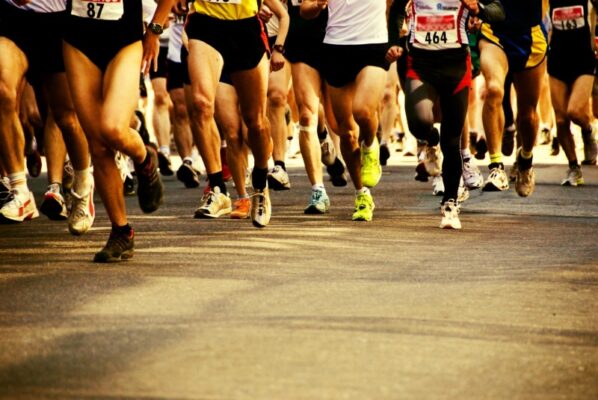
(449, 85)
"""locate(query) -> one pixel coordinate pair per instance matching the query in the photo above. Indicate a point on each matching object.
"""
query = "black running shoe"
(421, 173)
(143, 132)
(384, 154)
(481, 148)
(129, 186)
(337, 173)
(164, 164)
(120, 247)
(188, 175)
(555, 147)
(150, 190)
(508, 142)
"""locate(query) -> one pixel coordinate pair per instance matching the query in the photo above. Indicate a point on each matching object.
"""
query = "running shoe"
(142, 130)
(261, 208)
(574, 177)
(319, 203)
(82, 213)
(129, 186)
(278, 178)
(497, 181)
(508, 141)
(481, 148)
(150, 190)
(164, 164)
(371, 171)
(400, 142)
(471, 175)
(4, 190)
(53, 205)
(555, 147)
(437, 186)
(241, 210)
(432, 161)
(462, 192)
(328, 151)
(545, 136)
(337, 173)
(16, 210)
(214, 204)
(525, 182)
(590, 147)
(364, 207)
(421, 174)
(188, 175)
(513, 172)
(34, 163)
(384, 154)
(450, 215)
(120, 247)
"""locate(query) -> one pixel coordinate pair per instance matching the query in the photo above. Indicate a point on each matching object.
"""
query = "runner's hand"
(474, 24)
(151, 49)
(277, 61)
(472, 6)
(180, 7)
(394, 53)
(265, 14)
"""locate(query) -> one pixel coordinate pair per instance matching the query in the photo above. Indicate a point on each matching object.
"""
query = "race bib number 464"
(567, 18)
(436, 30)
(108, 10)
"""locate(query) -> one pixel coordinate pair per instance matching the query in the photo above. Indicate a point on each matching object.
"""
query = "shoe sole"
(200, 215)
(421, 174)
(362, 219)
(450, 226)
(9, 221)
(275, 185)
(126, 255)
(52, 210)
(237, 216)
(257, 224)
(490, 187)
(187, 177)
(313, 210)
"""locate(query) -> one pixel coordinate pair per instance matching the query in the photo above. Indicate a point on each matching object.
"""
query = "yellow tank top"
(227, 9)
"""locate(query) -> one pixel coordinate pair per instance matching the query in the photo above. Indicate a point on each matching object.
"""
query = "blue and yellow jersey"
(229, 10)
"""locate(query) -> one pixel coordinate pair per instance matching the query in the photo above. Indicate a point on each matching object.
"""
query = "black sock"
(281, 164)
(122, 230)
(524, 163)
(217, 181)
(259, 177)
(573, 164)
(586, 133)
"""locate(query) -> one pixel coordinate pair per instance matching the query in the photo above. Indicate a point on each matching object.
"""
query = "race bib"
(438, 31)
(223, 1)
(296, 3)
(108, 10)
(568, 18)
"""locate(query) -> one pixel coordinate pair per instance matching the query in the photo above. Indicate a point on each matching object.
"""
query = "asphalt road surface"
(312, 307)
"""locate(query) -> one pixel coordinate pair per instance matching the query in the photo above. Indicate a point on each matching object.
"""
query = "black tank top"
(99, 15)
(306, 31)
(570, 28)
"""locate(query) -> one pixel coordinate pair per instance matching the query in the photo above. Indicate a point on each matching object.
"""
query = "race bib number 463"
(436, 30)
(108, 10)
(567, 18)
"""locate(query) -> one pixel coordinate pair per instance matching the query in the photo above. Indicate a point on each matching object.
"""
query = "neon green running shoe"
(364, 207)
(371, 170)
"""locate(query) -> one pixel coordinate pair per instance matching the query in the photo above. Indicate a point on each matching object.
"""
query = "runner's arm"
(284, 21)
(151, 41)
(396, 17)
(491, 11)
(310, 9)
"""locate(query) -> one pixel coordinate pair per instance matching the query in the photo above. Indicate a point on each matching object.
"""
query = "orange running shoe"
(242, 208)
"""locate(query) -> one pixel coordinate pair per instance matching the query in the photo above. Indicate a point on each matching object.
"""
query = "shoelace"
(118, 240)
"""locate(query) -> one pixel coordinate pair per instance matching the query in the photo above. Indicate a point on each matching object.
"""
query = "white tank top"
(439, 28)
(176, 38)
(42, 6)
(356, 22)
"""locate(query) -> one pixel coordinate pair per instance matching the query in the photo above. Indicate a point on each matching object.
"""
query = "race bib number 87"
(107, 10)
(436, 30)
(567, 18)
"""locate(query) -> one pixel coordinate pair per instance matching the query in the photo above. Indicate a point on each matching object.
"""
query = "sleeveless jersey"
(227, 9)
(521, 15)
(303, 30)
(176, 38)
(42, 6)
(353, 22)
(570, 26)
(438, 25)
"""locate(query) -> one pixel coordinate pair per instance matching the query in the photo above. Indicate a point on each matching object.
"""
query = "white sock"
(363, 190)
(165, 150)
(466, 154)
(188, 159)
(18, 184)
(318, 186)
(83, 181)
(370, 147)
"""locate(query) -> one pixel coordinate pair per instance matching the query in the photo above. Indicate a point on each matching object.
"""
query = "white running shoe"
(463, 192)
(497, 181)
(437, 185)
(328, 150)
(214, 204)
(574, 177)
(472, 175)
(53, 205)
(432, 160)
(261, 208)
(278, 178)
(17, 210)
(83, 212)
(450, 215)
